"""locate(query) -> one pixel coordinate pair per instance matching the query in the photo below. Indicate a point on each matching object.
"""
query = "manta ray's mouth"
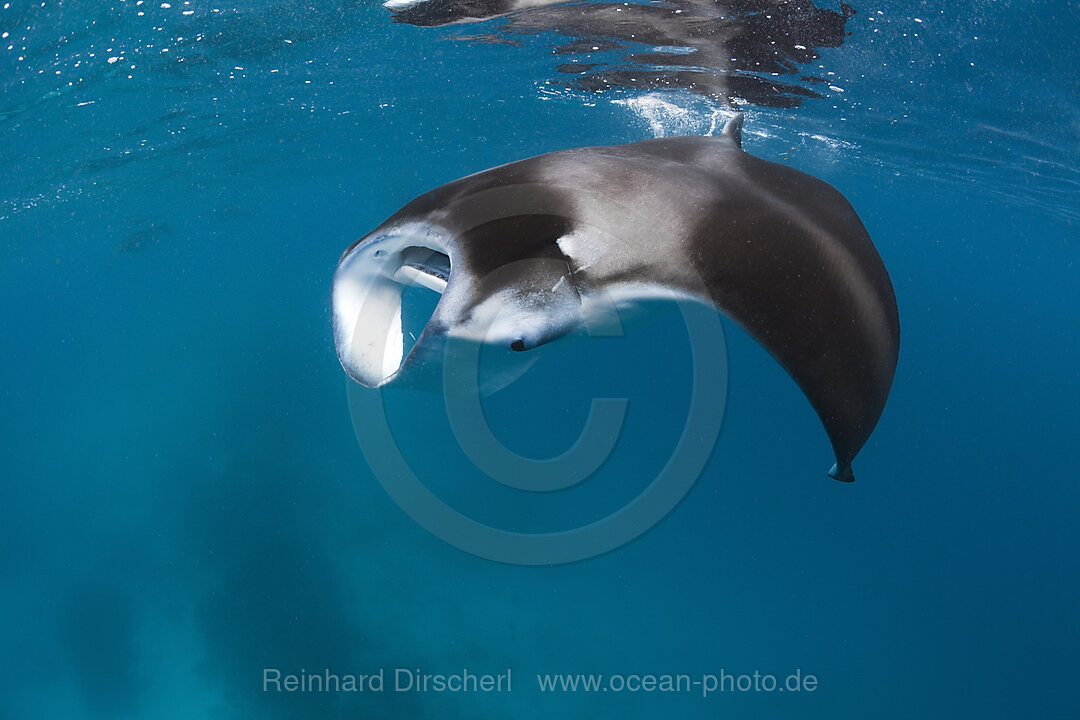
(424, 267)
(385, 293)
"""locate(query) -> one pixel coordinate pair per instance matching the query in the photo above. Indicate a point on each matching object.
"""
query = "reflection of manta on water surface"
(733, 50)
(526, 253)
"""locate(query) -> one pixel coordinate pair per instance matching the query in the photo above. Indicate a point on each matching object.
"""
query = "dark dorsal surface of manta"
(523, 253)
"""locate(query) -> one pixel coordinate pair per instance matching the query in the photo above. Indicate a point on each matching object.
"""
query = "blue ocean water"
(185, 501)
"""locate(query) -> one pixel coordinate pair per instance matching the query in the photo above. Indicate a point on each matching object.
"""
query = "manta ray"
(526, 253)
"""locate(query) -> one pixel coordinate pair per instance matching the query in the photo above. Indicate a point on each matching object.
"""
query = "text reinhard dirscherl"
(396, 680)
(467, 681)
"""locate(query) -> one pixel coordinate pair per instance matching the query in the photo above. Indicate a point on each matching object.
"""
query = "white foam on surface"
(401, 4)
(669, 114)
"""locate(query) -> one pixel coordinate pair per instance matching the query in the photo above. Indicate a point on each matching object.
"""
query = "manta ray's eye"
(518, 345)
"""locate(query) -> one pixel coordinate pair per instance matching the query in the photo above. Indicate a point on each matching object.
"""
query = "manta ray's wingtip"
(843, 474)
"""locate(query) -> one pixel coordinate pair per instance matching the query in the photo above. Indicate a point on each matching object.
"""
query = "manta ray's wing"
(785, 256)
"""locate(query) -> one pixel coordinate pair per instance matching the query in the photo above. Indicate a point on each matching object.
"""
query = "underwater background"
(185, 502)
